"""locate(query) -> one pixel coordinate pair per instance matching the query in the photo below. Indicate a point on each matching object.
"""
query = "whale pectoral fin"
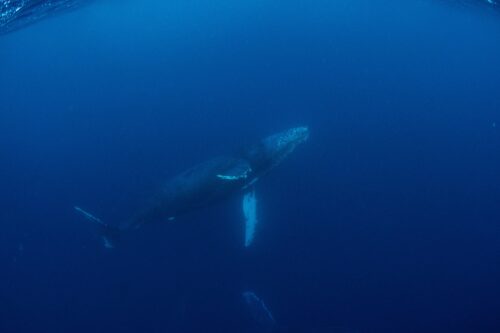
(109, 234)
(239, 171)
(250, 214)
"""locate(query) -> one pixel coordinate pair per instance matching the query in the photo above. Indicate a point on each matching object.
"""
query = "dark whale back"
(192, 189)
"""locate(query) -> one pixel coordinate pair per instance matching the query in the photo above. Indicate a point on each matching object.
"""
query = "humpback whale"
(210, 182)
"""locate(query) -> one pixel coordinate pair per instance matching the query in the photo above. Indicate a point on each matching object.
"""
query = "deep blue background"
(387, 220)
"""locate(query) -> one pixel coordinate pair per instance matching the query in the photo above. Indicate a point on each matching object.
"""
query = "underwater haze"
(386, 220)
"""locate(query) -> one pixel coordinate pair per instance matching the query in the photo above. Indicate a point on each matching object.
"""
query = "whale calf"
(210, 182)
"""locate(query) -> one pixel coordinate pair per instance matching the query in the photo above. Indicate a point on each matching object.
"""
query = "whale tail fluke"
(110, 235)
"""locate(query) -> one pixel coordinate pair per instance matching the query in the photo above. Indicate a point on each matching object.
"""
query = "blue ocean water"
(386, 220)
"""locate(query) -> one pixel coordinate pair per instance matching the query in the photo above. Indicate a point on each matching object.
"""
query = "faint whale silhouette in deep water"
(16, 14)
(261, 315)
(210, 182)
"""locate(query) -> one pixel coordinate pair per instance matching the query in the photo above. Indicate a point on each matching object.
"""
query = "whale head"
(280, 145)
(286, 141)
(272, 150)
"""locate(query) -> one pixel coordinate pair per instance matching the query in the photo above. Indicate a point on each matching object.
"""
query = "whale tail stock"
(110, 235)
